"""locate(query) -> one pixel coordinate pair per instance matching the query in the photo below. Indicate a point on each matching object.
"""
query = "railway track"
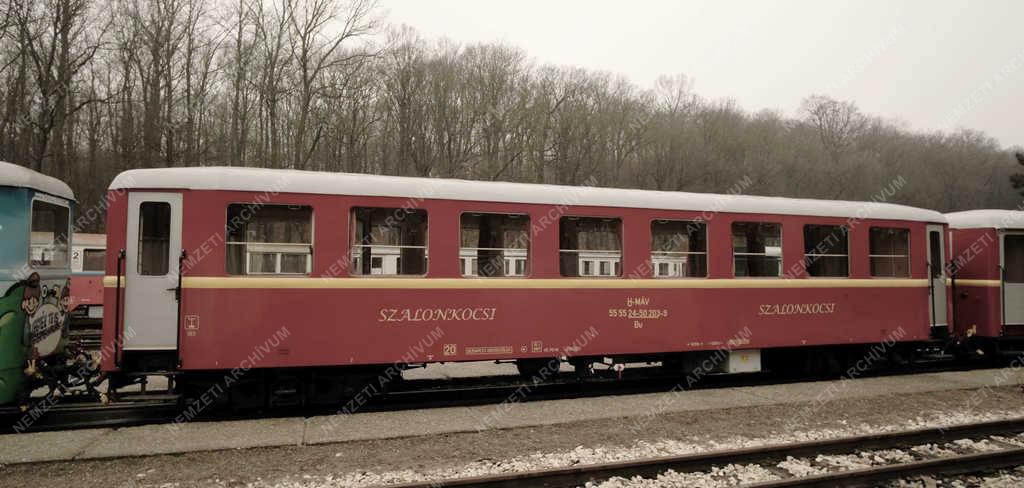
(971, 462)
(86, 416)
(415, 394)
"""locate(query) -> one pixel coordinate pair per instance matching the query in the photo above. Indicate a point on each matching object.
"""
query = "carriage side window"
(1013, 257)
(389, 241)
(826, 250)
(494, 244)
(94, 259)
(49, 246)
(590, 246)
(890, 252)
(757, 249)
(269, 239)
(154, 238)
(679, 249)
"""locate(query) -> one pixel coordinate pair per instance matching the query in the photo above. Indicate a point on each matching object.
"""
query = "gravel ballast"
(366, 463)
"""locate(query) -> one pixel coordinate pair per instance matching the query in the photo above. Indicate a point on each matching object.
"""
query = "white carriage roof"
(986, 219)
(293, 181)
(20, 176)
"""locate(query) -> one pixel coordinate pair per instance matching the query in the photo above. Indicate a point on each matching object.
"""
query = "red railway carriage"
(307, 276)
(988, 258)
(87, 262)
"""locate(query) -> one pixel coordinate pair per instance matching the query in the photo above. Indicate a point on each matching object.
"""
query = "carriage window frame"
(275, 248)
(706, 253)
(474, 260)
(356, 271)
(781, 255)
(595, 266)
(907, 256)
(807, 265)
(66, 205)
(102, 251)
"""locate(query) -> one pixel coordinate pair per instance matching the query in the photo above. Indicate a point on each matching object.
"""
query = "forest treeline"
(94, 87)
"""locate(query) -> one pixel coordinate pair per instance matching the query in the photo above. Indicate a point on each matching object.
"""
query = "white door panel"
(151, 271)
(1012, 262)
(937, 269)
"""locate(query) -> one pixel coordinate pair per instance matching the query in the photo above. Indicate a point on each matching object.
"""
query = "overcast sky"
(931, 64)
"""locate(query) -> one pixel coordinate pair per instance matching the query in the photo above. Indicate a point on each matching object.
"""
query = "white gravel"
(969, 445)
(724, 476)
(730, 475)
(1013, 478)
(800, 467)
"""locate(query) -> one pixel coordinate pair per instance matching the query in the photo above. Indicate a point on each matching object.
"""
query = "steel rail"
(947, 465)
(652, 467)
(86, 416)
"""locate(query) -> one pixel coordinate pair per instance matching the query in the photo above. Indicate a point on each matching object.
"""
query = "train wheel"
(371, 383)
(673, 366)
(538, 369)
(582, 368)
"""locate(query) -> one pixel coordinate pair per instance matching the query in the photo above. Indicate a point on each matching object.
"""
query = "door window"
(154, 238)
(935, 252)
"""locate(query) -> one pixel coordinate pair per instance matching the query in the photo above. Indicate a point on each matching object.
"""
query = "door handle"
(177, 293)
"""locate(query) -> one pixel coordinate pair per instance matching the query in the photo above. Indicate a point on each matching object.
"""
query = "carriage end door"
(1012, 265)
(937, 277)
(151, 271)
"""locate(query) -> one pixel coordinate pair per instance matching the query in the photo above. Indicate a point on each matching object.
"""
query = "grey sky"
(935, 65)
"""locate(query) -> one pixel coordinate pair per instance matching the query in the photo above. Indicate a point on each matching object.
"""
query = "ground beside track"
(374, 447)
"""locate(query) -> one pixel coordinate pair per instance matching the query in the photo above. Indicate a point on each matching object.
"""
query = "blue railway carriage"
(35, 238)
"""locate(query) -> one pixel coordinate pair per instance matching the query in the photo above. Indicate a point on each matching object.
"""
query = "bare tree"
(1017, 179)
(404, 87)
(274, 61)
(838, 123)
(315, 51)
(287, 83)
(56, 44)
(199, 50)
(241, 59)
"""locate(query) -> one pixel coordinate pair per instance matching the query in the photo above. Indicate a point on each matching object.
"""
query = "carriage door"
(1013, 278)
(937, 272)
(151, 271)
